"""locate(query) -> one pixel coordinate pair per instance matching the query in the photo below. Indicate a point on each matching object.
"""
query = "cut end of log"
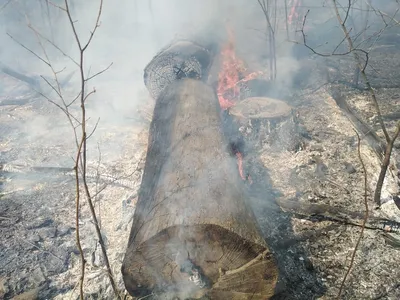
(261, 108)
(197, 260)
(268, 121)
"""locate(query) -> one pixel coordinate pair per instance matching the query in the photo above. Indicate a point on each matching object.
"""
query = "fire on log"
(193, 232)
(233, 75)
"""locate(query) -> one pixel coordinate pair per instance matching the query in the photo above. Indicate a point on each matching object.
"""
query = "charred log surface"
(193, 231)
(182, 59)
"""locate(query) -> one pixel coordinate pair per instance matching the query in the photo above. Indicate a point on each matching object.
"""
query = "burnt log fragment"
(193, 232)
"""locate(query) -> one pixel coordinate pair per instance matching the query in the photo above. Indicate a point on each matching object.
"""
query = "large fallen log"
(193, 233)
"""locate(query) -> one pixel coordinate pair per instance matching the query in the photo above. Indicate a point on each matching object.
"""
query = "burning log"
(193, 233)
(267, 120)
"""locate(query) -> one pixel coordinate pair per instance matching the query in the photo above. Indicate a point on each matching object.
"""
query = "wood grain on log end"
(202, 259)
(193, 231)
(268, 121)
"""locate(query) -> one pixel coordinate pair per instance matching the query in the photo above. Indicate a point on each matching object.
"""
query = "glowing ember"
(231, 74)
(240, 164)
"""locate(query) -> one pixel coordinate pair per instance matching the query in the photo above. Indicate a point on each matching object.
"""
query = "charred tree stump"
(268, 121)
(193, 233)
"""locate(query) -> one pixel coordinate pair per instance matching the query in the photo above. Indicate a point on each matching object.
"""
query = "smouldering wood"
(193, 231)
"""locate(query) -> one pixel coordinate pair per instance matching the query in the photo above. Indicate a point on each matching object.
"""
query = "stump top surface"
(261, 108)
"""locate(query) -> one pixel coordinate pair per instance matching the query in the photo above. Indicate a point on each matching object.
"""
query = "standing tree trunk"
(193, 232)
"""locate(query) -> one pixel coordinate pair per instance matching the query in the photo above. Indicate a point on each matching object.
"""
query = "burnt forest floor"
(38, 253)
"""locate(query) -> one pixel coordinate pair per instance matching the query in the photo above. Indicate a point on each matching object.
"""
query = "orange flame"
(231, 74)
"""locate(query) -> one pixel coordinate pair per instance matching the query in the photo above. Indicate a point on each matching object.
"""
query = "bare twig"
(362, 70)
(385, 165)
(389, 140)
(383, 14)
(77, 210)
(98, 73)
(366, 215)
(26, 48)
(80, 167)
(97, 184)
(265, 6)
(5, 5)
(85, 137)
(57, 88)
(286, 20)
(53, 44)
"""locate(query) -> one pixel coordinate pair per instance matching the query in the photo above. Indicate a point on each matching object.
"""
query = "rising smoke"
(132, 32)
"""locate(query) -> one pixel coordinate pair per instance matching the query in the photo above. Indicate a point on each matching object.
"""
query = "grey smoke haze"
(133, 31)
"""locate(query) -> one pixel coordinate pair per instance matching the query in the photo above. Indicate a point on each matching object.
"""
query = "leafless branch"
(265, 7)
(52, 86)
(29, 50)
(97, 184)
(80, 167)
(98, 73)
(53, 44)
(82, 157)
(383, 14)
(5, 5)
(385, 165)
(55, 5)
(362, 70)
(365, 220)
(77, 210)
(94, 129)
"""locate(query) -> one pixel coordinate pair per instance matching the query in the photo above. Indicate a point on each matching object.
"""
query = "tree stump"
(193, 233)
(269, 121)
